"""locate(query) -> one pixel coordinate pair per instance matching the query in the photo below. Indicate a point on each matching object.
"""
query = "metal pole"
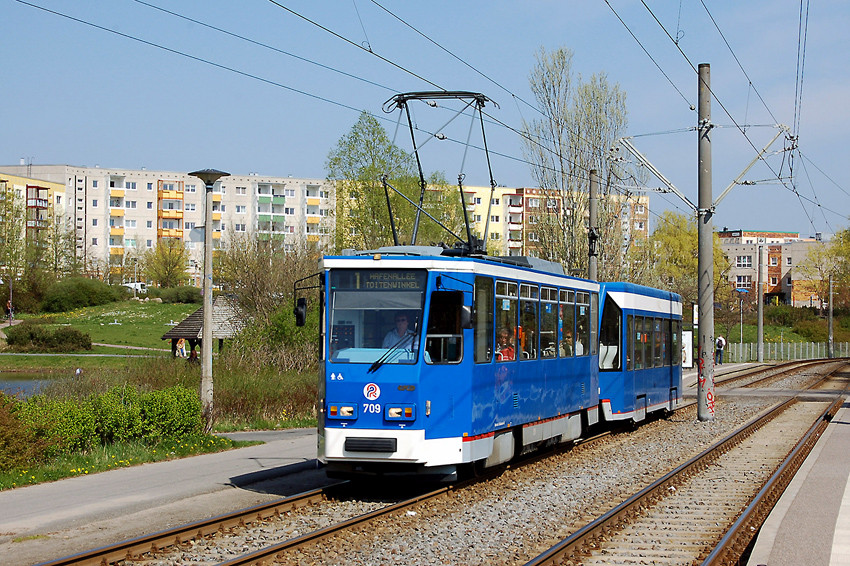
(593, 229)
(705, 383)
(209, 177)
(760, 338)
(830, 353)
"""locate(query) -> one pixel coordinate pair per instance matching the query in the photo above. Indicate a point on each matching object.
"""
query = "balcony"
(312, 237)
(170, 213)
(514, 244)
(216, 216)
(116, 211)
(169, 233)
(514, 226)
(37, 203)
(116, 193)
(313, 219)
(278, 199)
(116, 231)
(38, 224)
(313, 201)
(515, 209)
(216, 235)
(116, 250)
(264, 217)
(264, 199)
(174, 195)
(216, 197)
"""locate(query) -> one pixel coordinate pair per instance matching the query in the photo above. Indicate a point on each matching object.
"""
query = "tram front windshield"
(375, 314)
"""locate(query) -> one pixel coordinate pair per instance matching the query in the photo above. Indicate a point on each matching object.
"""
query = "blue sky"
(84, 96)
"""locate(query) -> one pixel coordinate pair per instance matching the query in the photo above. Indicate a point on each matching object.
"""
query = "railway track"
(708, 509)
(183, 543)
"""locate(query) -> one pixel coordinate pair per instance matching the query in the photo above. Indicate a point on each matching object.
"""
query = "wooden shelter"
(228, 320)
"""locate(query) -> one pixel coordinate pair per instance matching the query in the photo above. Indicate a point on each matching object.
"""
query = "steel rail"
(586, 538)
(156, 542)
(736, 540)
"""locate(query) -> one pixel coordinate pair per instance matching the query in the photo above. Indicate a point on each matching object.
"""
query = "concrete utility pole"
(705, 282)
(593, 229)
(761, 305)
(209, 177)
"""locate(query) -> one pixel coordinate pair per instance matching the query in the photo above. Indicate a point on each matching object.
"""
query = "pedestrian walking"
(719, 344)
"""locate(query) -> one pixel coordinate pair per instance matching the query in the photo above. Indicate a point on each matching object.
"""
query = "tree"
(669, 258)
(829, 259)
(261, 274)
(581, 122)
(166, 262)
(12, 242)
(356, 165)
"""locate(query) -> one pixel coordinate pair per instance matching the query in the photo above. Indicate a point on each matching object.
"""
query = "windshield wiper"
(409, 336)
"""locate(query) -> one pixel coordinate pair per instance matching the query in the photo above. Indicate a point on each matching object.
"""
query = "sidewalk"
(47, 521)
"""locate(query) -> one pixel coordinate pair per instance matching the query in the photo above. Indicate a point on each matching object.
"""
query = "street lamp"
(209, 177)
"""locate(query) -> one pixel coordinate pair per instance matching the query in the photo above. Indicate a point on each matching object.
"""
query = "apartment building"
(782, 254)
(515, 212)
(42, 203)
(117, 214)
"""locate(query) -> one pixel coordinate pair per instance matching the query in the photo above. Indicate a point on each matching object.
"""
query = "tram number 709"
(373, 408)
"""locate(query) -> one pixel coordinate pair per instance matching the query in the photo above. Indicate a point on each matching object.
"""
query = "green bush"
(66, 425)
(185, 294)
(31, 336)
(19, 445)
(786, 315)
(76, 292)
(812, 330)
(170, 413)
(118, 415)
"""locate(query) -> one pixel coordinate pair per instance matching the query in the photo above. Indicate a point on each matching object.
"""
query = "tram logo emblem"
(371, 391)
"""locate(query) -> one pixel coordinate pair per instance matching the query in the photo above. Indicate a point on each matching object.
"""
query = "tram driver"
(400, 336)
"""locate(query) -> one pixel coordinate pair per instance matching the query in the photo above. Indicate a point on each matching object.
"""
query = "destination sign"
(378, 279)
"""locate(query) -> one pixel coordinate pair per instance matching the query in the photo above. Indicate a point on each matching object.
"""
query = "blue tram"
(433, 360)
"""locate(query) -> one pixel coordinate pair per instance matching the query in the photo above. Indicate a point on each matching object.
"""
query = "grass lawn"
(127, 323)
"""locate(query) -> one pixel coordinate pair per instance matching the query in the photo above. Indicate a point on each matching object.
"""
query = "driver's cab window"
(444, 338)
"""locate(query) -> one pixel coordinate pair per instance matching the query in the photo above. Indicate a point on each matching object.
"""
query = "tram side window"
(506, 319)
(658, 336)
(630, 343)
(676, 348)
(444, 339)
(528, 322)
(609, 336)
(483, 319)
(582, 324)
(640, 339)
(566, 323)
(548, 322)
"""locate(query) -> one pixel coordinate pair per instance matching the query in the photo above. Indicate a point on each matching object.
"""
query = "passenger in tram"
(400, 336)
(504, 348)
(579, 345)
(567, 345)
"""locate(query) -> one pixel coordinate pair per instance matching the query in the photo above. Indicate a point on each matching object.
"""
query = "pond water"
(22, 384)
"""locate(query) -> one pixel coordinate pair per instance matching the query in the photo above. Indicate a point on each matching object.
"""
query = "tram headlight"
(400, 412)
(339, 411)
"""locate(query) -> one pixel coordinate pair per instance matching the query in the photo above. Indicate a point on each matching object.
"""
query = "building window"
(94, 241)
(189, 225)
(130, 185)
(150, 186)
(788, 261)
(289, 211)
(788, 281)
(94, 203)
(477, 200)
(639, 225)
(532, 237)
(149, 224)
(534, 203)
(149, 243)
(129, 243)
(241, 191)
(129, 223)
(476, 218)
(640, 209)
(239, 227)
(774, 261)
(494, 218)
(94, 221)
(742, 261)
(150, 204)
(289, 193)
(94, 184)
(191, 189)
(190, 206)
(241, 209)
(129, 204)
(774, 281)
(744, 281)
(495, 236)
(495, 202)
